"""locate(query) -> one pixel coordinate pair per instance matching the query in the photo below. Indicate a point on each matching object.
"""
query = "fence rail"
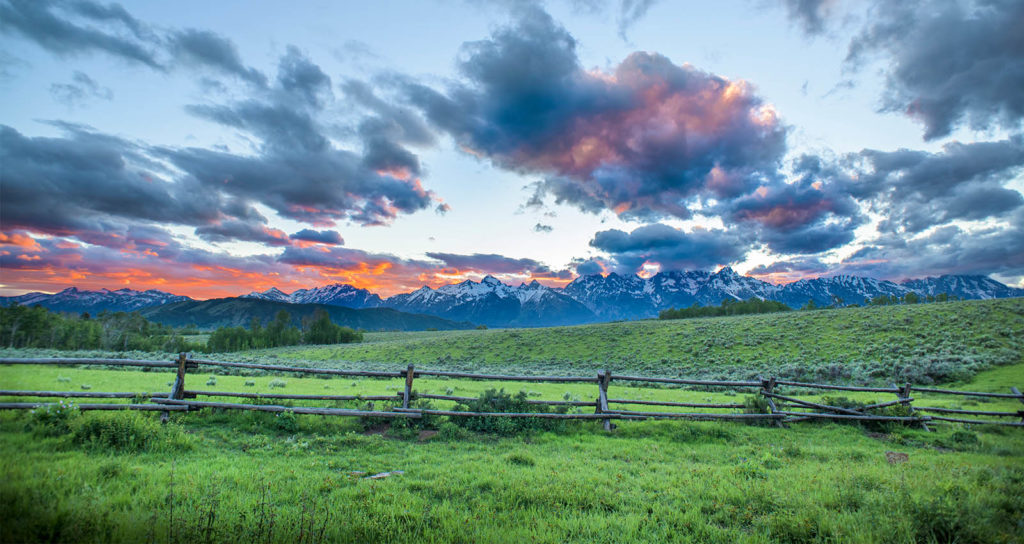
(178, 398)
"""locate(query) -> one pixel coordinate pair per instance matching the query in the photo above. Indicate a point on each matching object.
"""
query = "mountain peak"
(490, 280)
(727, 272)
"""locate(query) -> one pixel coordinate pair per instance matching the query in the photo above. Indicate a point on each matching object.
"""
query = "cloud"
(589, 267)
(948, 64)
(811, 15)
(671, 248)
(643, 141)
(539, 227)
(789, 270)
(489, 263)
(79, 90)
(945, 250)
(329, 237)
(227, 231)
(86, 181)
(916, 190)
(53, 26)
(208, 49)
(631, 11)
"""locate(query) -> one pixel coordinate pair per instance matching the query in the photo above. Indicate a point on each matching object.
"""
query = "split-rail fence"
(782, 409)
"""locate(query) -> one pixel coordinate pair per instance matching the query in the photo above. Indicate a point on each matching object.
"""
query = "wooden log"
(977, 421)
(1020, 398)
(691, 415)
(501, 377)
(515, 414)
(970, 393)
(277, 408)
(178, 389)
(843, 416)
(84, 361)
(968, 412)
(890, 403)
(410, 374)
(814, 404)
(688, 382)
(603, 379)
(193, 394)
(904, 393)
(767, 386)
(91, 407)
(669, 403)
(529, 401)
(838, 387)
(304, 370)
(79, 394)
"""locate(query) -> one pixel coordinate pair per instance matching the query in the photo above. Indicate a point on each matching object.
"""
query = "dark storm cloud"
(81, 89)
(673, 249)
(949, 63)
(329, 237)
(209, 49)
(59, 185)
(589, 267)
(643, 141)
(797, 268)
(51, 25)
(246, 231)
(947, 250)
(916, 190)
(489, 263)
(298, 172)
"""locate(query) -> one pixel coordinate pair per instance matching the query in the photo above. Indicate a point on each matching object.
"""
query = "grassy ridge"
(920, 343)
(221, 477)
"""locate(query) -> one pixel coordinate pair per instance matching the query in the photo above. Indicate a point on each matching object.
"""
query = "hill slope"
(922, 342)
(233, 312)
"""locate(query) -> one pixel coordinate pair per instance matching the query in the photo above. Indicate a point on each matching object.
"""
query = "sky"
(214, 148)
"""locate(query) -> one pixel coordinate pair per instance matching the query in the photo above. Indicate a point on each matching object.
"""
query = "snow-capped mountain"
(338, 294)
(493, 303)
(965, 287)
(841, 290)
(586, 299)
(73, 300)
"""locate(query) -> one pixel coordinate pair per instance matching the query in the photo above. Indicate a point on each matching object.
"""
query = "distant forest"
(37, 327)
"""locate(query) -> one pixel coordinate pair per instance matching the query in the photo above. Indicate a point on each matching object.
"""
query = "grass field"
(228, 477)
(919, 343)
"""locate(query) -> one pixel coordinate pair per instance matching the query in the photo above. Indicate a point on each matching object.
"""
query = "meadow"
(215, 476)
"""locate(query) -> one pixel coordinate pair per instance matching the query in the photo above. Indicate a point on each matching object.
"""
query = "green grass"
(647, 481)
(227, 477)
(919, 343)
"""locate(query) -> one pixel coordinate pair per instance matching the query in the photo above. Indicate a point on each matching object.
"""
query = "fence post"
(1017, 392)
(178, 389)
(767, 387)
(409, 374)
(903, 394)
(603, 378)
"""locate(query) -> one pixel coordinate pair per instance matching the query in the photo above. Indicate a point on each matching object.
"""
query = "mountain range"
(586, 299)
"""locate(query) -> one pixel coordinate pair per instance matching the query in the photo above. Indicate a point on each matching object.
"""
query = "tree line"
(317, 329)
(38, 327)
(728, 307)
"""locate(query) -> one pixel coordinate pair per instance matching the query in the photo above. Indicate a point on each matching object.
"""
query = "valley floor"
(220, 477)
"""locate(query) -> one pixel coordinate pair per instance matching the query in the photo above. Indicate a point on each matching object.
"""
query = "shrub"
(212, 381)
(286, 421)
(250, 383)
(275, 383)
(54, 419)
(498, 401)
(451, 432)
(126, 432)
(754, 404)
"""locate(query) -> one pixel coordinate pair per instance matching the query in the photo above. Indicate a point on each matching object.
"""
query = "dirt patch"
(380, 429)
(426, 435)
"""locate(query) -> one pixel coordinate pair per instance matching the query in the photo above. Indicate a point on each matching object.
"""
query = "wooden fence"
(782, 409)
